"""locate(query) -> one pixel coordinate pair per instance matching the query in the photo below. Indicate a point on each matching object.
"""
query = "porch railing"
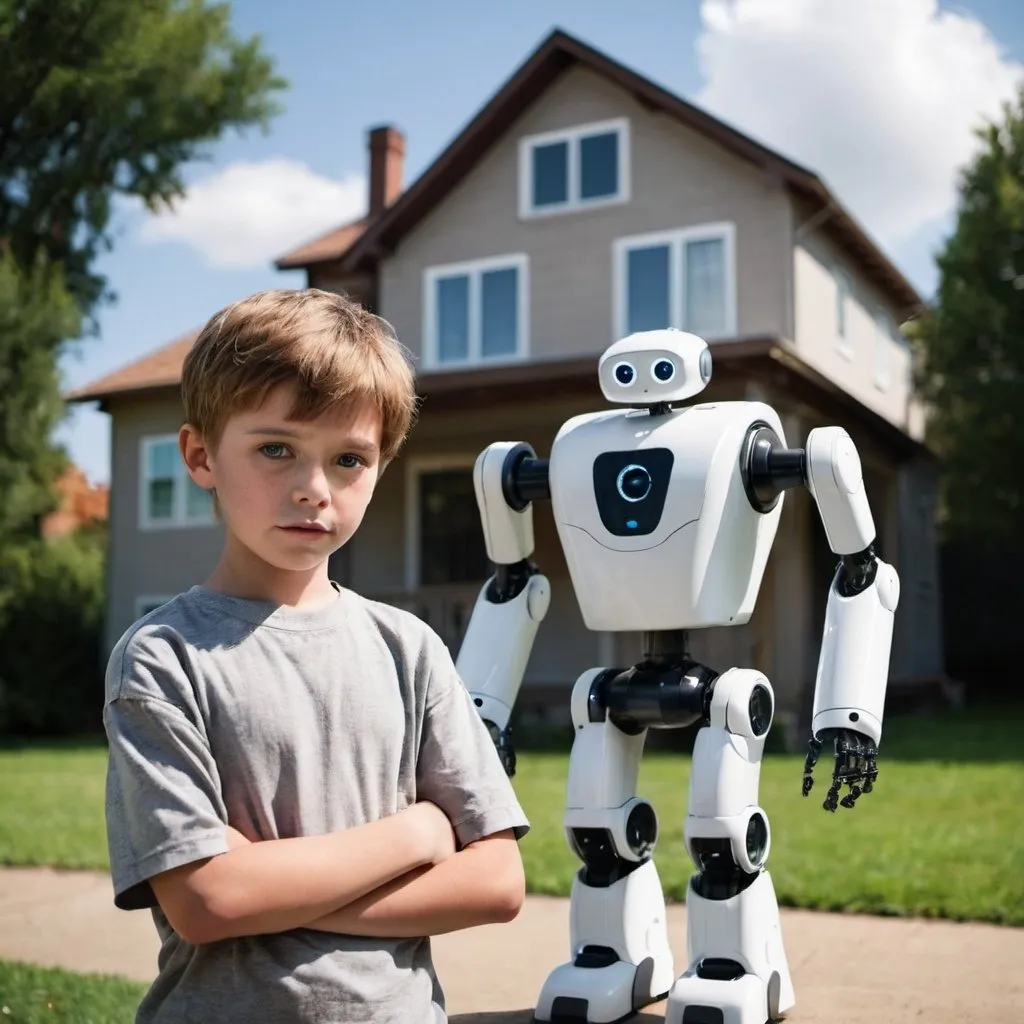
(446, 608)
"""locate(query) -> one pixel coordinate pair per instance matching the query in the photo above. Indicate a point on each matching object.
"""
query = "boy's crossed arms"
(400, 876)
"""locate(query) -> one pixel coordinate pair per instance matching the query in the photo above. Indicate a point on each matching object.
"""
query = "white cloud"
(247, 214)
(879, 97)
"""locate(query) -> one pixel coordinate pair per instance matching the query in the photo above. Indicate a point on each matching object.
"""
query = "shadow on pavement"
(526, 1017)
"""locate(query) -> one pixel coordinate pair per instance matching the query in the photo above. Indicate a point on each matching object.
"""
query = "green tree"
(98, 98)
(36, 315)
(970, 345)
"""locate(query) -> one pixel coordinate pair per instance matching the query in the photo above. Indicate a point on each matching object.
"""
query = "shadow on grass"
(69, 743)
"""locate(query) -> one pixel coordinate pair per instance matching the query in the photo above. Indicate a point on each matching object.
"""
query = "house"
(583, 201)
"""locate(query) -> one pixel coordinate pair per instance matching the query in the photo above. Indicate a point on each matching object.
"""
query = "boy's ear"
(196, 456)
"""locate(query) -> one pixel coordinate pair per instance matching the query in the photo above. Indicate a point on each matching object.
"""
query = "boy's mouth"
(310, 529)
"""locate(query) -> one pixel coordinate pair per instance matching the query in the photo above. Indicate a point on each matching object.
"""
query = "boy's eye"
(349, 461)
(274, 451)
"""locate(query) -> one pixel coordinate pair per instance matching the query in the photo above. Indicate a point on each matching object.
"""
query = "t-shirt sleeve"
(163, 797)
(459, 770)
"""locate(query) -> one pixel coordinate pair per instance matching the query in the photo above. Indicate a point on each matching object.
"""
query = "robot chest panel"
(630, 479)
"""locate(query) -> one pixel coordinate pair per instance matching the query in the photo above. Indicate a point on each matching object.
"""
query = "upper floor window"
(574, 169)
(684, 279)
(842, 282)
(168, 495)
(886, 337)
(476, 313)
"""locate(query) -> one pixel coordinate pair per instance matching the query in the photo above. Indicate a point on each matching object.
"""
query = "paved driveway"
(846, 969)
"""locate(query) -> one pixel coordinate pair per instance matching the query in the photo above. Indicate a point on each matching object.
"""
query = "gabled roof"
(326, 247)
(159, 369)
(556, 55)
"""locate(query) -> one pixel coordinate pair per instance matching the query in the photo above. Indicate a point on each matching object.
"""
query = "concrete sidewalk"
(846, 969)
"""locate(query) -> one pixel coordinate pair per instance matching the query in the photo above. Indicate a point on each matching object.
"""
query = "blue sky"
(878, 96)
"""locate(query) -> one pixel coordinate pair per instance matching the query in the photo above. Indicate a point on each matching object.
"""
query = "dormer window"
(574, 169)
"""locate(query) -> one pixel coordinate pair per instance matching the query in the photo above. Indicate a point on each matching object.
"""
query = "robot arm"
(853, 667)
(511, 605)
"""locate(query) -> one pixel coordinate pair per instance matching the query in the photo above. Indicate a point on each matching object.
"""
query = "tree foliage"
(970, 345)
(108, 97)
(99, 99)
(36, 315)
(51, 618)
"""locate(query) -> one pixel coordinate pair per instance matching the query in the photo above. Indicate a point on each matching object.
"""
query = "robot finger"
(813, 752)
(871, 771)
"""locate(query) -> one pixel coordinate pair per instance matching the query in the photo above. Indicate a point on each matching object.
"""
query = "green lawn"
(34, 995)
(942, 835)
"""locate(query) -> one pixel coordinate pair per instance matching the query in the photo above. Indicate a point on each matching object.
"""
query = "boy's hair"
(329, 347)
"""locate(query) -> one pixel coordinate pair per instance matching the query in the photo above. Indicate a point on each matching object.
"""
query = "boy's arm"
(167, 821)
(482, 884)
(280, 884)
(458, 770)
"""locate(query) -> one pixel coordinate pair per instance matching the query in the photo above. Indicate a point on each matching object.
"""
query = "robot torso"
(654, 518)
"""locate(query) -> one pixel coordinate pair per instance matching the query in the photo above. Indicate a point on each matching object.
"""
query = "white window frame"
(844, 293)
(474, 269)
(885, 340)
(676, 240)
(178, 520)
(145, 603)
(573, 135)
(415, 467)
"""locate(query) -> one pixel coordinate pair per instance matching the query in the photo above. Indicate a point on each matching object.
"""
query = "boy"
(299, 786)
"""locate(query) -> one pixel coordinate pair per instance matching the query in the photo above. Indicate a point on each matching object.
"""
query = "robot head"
(654, 367)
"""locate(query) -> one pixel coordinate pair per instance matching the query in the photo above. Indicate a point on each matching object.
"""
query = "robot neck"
(666, 647)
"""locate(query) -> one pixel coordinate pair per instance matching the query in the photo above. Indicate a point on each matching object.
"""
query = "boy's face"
(292, 493)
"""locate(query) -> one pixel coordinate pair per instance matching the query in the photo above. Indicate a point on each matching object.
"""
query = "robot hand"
(502, 739)
(853, 668)
(855, 765)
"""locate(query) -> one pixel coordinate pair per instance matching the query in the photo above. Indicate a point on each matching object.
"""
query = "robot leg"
(737, 972)
(620, 955)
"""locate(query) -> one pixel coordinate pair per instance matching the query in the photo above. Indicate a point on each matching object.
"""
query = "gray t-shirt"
(283, 722)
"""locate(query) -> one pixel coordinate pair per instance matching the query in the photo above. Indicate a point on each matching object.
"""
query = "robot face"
(650, 367)
(630, 488)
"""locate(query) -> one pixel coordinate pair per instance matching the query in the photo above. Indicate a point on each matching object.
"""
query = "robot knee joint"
(740, 843)
(743, 703)
(613, 840)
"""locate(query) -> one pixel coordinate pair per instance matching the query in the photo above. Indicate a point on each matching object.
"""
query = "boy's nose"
(313, 489)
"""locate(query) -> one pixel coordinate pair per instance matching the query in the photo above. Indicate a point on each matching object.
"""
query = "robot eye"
(664, 370)
(705, 365)
(625, 374)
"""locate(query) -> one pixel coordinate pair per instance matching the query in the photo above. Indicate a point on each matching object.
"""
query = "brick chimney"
(387, 153)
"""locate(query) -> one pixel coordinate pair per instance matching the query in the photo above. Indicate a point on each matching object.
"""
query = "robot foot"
(598, 988)
(719, 992)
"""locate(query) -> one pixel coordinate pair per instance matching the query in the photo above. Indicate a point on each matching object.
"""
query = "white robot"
(667, 515)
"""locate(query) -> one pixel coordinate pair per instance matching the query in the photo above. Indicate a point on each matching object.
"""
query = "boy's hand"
(438, 833)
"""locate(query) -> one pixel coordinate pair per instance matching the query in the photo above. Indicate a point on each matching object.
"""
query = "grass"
(34, 995)
(941, 836)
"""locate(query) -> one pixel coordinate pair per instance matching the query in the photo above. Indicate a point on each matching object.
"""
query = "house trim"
(572, 135)
(676, 240)
(415, 467)
(473, 269)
